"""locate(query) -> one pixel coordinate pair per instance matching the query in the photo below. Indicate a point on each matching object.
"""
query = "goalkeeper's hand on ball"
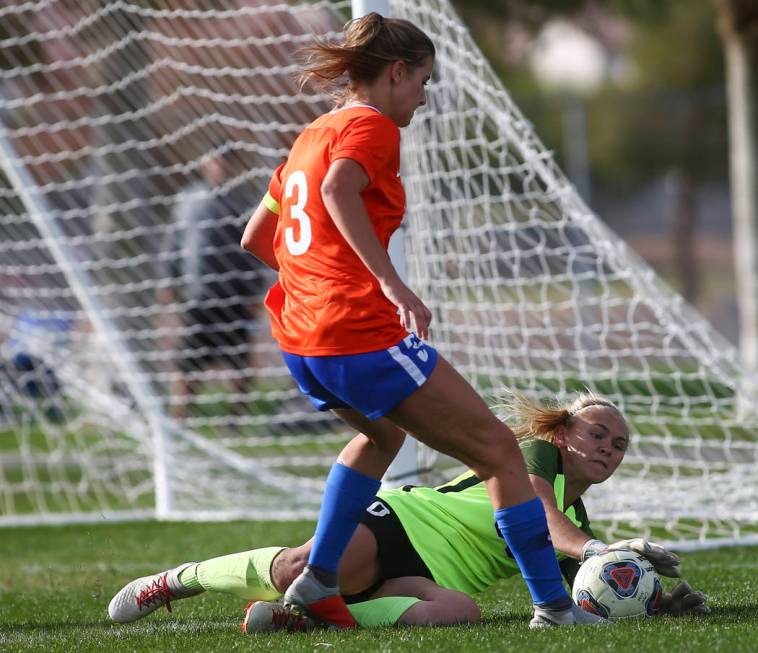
(684, 600)
(665, 562)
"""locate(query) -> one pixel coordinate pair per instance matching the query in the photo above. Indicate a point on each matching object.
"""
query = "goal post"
(363, 7)
(27, 190)
(131, 325)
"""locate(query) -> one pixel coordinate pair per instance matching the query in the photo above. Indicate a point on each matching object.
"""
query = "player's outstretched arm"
(666, 562)
(684, 600)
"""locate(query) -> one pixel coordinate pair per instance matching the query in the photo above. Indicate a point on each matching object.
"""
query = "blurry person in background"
(214, 285)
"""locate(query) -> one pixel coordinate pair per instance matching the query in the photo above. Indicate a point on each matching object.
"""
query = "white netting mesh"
(111, 111)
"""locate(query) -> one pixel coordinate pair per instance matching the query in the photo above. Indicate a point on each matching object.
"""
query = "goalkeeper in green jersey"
(420, 553)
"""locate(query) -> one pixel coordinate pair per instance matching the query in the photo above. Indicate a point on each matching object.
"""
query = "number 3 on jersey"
(297, 182)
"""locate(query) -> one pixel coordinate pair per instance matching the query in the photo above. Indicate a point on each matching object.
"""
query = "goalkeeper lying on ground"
(421, 553)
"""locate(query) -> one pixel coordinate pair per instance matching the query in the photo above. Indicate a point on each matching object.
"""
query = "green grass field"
(55, 584)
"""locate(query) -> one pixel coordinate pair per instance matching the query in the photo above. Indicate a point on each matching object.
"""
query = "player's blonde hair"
(371, 43)
(530, 418)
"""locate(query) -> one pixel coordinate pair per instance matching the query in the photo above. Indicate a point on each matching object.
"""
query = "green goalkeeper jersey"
(452, 527)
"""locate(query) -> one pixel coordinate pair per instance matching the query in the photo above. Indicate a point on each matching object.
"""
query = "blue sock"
(524, 528)
(347, 494)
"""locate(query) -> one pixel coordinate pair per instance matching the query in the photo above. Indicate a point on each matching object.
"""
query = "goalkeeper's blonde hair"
(530, 418)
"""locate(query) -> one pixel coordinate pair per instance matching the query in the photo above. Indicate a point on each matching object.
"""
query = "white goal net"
(137, 373)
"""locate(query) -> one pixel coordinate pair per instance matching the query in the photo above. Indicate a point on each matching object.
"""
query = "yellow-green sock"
(188, 578)
(246, 574)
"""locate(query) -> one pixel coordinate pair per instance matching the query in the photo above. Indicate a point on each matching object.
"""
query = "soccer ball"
(618, 585)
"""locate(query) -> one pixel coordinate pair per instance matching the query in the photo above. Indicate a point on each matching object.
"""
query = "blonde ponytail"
(529, 418)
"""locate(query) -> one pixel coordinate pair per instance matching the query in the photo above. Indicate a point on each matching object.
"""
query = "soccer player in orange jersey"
(352, 333)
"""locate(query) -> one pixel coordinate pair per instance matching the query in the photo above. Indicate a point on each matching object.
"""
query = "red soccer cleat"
(324, 604)
(268, 617)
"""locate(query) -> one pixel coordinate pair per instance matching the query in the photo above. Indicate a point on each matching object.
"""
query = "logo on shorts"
(412, 342)
(378, 509)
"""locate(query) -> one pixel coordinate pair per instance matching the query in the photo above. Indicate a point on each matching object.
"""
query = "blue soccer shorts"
(373, 383)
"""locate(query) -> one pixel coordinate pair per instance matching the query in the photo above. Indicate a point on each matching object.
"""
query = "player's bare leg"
(439, 606)
(374, 448)
(240, 388)
(447, 414)
(182, 392)
(358, 570)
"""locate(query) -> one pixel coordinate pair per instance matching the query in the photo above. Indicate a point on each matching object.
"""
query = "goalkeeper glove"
(683, 600)
(665, 562)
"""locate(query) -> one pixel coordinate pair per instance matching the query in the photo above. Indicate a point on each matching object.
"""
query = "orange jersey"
(326, 301)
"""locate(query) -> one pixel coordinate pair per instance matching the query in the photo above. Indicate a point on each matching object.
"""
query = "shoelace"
(283, 618)
(157, 591)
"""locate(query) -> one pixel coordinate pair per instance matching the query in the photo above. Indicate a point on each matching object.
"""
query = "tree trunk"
(738, 23)
(683, 232)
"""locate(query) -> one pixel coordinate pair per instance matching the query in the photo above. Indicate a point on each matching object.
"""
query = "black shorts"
(395, 553)
(214, 335)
